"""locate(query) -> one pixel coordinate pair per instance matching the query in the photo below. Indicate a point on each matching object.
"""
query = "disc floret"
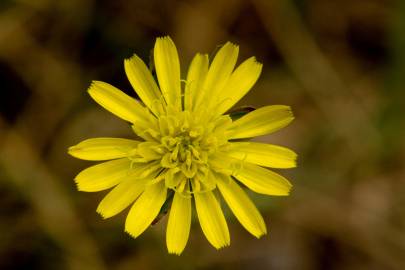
(183, 145)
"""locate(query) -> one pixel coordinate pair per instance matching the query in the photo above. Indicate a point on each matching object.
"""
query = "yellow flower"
(190, 148)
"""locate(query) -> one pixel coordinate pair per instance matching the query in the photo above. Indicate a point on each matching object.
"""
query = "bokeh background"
(340, 65)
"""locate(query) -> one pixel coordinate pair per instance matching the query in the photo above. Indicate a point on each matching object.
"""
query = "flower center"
(187, 151)
(184, 143)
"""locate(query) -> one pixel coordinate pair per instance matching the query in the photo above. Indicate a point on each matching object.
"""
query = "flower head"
(190, 147)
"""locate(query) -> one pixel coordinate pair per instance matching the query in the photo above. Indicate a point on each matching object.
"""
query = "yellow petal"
(195, 77)
(103, 148)
(117, 102)
(104, 175)
(178, 226)
(218, 74)
(242, 207)
(221, 162)
(142, 81)
(262, 154)
(121, 196)
(168, 70)
(262, 180)
(145, 209)
(261, 121)
(212, 219)
(240, 82)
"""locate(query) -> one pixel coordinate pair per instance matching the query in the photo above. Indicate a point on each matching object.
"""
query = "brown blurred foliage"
(340, 65)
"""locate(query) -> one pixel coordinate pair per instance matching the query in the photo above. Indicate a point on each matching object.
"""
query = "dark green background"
(339, 64)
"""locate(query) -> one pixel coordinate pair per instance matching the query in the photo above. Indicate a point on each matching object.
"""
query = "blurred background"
(340, 65)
